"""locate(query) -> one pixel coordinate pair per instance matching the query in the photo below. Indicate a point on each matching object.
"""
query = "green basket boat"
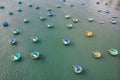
(49, 25)
(113, 52)
(67, 16)
(16, 57)
(90, 19)
(16, 31)
(69, 26)
(35, 55)
(34, 39)
(49, 9)
(75, 20)
(42, 18)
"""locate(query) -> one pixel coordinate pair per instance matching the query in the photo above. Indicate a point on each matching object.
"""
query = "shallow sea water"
(56, 60)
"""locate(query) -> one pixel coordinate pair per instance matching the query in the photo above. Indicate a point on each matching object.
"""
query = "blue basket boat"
(77, 69)
(12, 41)
(34, 39)
(16, 57)
(16, 31)
(50, 13)
(66, 41)
(35, 55)
(5, 24)
(113, 51)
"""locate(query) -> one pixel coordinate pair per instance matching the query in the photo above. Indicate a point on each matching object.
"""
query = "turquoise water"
(56, 60)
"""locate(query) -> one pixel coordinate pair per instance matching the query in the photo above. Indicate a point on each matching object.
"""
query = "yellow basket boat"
(96, 54)
(89, 34)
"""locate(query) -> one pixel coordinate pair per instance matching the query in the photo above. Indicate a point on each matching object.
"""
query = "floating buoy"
(113, 52)
(42, 18)
(5, 24)
(67, 16)
(16, 56)
(89, 34)
(58, 5)
(69, 26)
(96, 54)
(10, 13)
(16, 31)
(35, 55)
(12, 41)
(30, 5)
(66, 41)
(75, 20)
(90, 19)
(34, 39)
(113, 21)
(26, 20)
(77, 69)
(19, 9)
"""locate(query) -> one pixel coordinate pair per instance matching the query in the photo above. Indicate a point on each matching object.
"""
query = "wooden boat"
(69, 26)
(66, 41)
(49, 25)
(35, 55)
(34, 39)
(96, 54)
(16, 57)
(75, 20)
(89, 34)
(12, 41)
(67, 16)
(113, 52)
(77, 69)
(42, 18)
(113, 21)
(16, 31)
(90, 19)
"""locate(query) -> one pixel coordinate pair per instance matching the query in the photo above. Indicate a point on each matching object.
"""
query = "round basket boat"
(69, 26)
(75, 20)
(113, 52)
(16, 57)
(16, 31)
(42, 18)
(113, 21)
(66, 41)
(34, 39)
(90, 19)
(49, 25)
(77, 69)
(5, 24)
(96, 54)
(49, 9)
(67, 16)
(58, 5)
(12, 41)
(26, 20)
(50, 14)
(89, 34)
(101, 21)
(35, 55)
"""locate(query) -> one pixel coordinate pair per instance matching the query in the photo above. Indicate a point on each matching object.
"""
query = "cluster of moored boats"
(36, 54)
